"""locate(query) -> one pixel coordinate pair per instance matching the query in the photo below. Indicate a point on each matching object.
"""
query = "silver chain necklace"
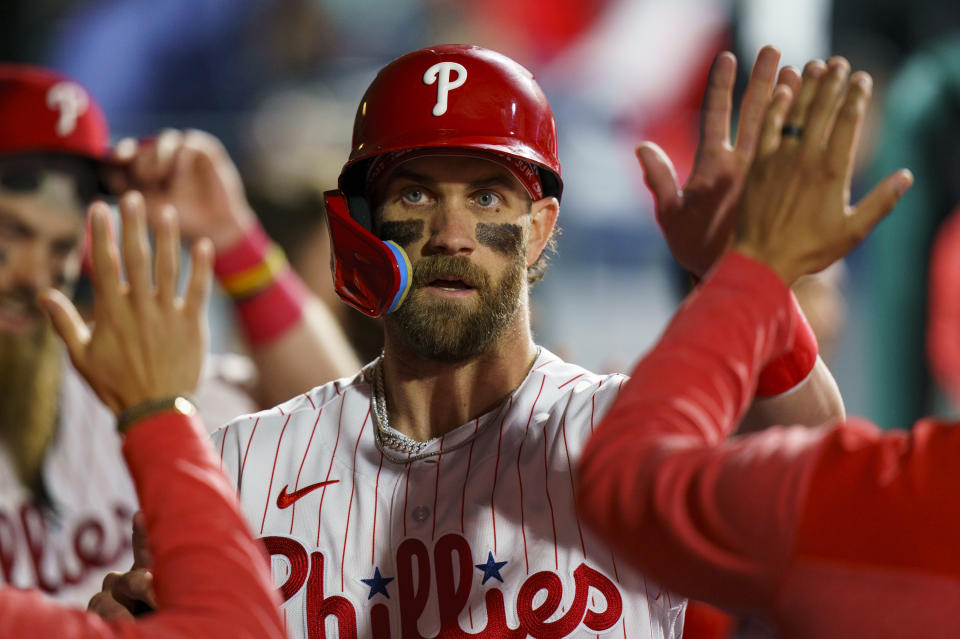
(387, 436)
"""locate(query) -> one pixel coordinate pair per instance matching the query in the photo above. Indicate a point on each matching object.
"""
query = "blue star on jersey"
(378, 584)
(491, 569)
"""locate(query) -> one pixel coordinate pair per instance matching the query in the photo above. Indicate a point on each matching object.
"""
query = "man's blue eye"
(413, 196)
(486, 199)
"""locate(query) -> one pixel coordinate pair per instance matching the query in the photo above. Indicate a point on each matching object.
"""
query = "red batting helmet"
(43, 111)
(444, 97)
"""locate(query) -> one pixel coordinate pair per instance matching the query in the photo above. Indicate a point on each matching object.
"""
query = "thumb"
(879, 201)
(660, 177)
(142, 557)
(67, 322)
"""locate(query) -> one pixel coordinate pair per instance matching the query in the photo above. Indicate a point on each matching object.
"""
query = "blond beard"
(30, 370)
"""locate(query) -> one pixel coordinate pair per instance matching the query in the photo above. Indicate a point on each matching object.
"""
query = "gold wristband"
(250, 281)
(129, 417)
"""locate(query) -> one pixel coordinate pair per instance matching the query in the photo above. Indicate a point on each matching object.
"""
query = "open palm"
(698, 221)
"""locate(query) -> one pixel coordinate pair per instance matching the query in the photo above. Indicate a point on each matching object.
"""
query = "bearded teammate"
(66, 499)
(435, 490)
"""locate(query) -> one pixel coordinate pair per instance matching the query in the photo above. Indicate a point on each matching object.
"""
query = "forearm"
(312, 352)
(294, 339)
(675, 507)
(211, 576)
(814, 401)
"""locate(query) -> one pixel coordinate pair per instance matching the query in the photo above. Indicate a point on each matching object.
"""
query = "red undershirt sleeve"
(211, 577)
(809, 527)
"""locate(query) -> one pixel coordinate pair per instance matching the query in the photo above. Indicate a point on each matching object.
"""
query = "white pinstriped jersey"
(479, 538)
(67, 551)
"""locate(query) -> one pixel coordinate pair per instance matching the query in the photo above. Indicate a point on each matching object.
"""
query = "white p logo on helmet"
(440, 73)
(71, 101)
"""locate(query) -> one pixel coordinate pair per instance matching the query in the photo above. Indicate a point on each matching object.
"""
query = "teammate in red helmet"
(433, 492)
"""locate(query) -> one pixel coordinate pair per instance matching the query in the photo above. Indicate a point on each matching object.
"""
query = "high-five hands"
(698, 220)
(794, 213)
(146, 343)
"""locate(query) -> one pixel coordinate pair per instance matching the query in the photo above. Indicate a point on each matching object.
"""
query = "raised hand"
(794, 213)
(146, 343)
(192, 172)
(698, 220)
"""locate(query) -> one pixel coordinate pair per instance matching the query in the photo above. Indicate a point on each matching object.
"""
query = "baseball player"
(66, 500)
(142, 355)
(433, 493)
(65, 497)
(774, 523)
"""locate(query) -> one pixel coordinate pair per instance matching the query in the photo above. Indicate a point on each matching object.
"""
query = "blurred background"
(278, 81)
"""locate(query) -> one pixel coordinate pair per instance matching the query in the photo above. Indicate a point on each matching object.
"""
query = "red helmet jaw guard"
(450, 96)
(368, 274)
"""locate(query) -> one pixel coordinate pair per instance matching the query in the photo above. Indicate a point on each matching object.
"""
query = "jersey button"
(420, 513)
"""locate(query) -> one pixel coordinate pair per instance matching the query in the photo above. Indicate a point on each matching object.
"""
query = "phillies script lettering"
(24, 536)
(453, 573)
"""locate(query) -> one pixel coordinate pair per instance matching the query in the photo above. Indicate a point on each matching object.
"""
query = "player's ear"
(543, 217)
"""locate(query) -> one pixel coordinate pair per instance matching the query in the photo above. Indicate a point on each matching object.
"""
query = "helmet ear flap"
(368, 274)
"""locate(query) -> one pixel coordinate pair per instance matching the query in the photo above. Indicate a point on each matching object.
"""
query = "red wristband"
(246, 253)
(786, 371)
(268, 296)
(273, 311)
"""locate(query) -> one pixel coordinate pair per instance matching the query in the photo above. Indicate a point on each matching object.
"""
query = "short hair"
(23, 173)
(538, 269)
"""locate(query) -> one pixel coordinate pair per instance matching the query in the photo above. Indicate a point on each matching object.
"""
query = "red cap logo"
(43, 111)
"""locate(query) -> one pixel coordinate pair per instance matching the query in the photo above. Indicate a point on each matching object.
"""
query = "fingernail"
(132, 199)
(97, 218)
(125, 149)
(905, 181)
(815, 69)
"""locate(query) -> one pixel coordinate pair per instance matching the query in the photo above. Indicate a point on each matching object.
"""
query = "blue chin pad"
(406, 274)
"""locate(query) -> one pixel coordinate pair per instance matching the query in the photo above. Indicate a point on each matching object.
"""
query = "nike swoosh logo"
(285, 499)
